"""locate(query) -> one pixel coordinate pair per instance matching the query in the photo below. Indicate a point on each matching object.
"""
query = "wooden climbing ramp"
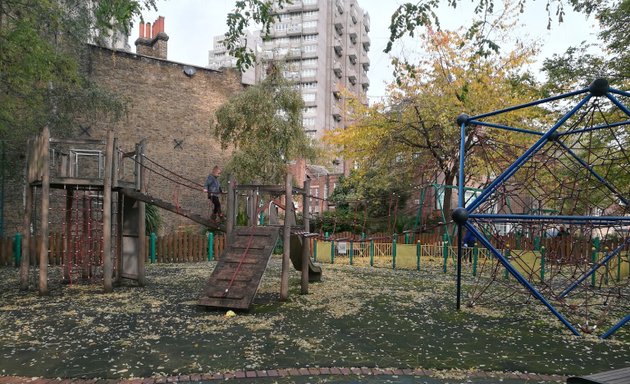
(239, 270)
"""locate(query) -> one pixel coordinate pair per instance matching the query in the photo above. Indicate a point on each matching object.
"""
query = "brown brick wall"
(166, 107)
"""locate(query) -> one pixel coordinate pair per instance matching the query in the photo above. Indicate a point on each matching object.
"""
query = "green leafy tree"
(579, 66)
(264, 125)
(369, 201)
(43, 63)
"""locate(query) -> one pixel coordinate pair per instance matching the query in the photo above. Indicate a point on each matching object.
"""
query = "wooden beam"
(45, 204)
(286, 237)
(108, 264)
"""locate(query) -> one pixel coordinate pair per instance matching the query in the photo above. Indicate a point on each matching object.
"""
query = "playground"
(439, 309)
(356, 317)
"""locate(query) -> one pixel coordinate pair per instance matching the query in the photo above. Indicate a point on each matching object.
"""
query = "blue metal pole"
(519, 277)
(615, 327)
(525, 156)
(619, 92)
(506, 127)
(604, 261)
(462, 161)
(622, 220)
(618, 103)
(530, 104)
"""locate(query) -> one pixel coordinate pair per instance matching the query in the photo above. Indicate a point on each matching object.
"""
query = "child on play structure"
(213, 188)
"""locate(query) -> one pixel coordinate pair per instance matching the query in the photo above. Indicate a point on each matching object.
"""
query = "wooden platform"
(617, 376)
(239, 270)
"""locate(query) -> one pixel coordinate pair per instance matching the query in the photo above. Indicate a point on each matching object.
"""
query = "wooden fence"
(177, 247)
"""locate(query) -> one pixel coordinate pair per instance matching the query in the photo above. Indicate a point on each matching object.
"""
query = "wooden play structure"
(95, 194)
(236, 278)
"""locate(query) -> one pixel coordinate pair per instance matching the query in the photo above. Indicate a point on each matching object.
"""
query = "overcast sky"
(192, 24)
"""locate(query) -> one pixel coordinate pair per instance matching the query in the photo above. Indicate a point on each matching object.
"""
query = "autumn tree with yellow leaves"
(416, 134)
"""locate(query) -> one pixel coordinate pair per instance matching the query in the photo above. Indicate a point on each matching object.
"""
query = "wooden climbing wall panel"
(235, 280)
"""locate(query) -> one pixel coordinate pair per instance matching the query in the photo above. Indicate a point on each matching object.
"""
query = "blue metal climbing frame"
(463, 214)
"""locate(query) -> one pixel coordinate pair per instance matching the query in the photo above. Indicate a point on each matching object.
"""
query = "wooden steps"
(239, 270)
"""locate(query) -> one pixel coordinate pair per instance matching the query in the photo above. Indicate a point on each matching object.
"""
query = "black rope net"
(555, 204)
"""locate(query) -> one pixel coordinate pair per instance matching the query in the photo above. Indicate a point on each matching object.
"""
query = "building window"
(309, 72)
(308, 122)
(309, 63)
(309, 38)
(309, 48)
(308, 96)
(281, 26)
(310, 24)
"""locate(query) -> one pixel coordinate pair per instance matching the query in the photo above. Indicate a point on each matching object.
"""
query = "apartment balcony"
(365, 81)
(294, 53)
(310, 6)
(294, 29)
(310, 103)
(338, 69)
(354, 16)
(338, 46)
(365, 40)
(336, 113)
(352, 32)
(336, 91)
(352, 77)
(309, 30)
(295, 5)
(366, 22)
(365, 62)
(309, 55)
(340, 6)
(339, 25)
(309, 78)
(352, 54)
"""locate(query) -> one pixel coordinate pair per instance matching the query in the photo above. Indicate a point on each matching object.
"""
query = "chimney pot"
(147, 33)
(141, 29)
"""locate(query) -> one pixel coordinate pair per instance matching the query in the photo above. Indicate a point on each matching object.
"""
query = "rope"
(173, 173)
(240, 263)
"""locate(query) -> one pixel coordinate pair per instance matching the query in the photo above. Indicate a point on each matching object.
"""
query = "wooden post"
(142, 206)
(26, 243)
(108, 263)
(286, 241)
(251, 209)
(27, 219)
(84, 246)
(67, 254)
(305, 240)
(231, 207)
(43, 225)
(119, 236)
